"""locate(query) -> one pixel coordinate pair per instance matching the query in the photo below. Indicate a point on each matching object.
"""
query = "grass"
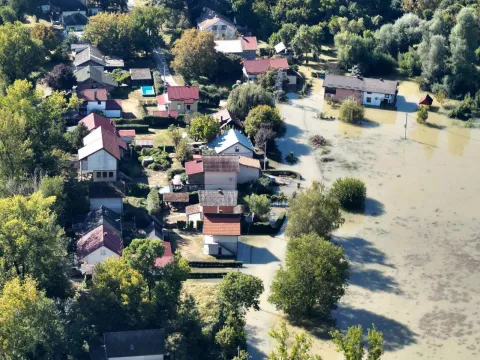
(350, 166)
(162, 138)
(205, 296)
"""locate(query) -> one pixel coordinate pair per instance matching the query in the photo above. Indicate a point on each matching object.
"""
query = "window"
(224, 27)
(214, 27)
(110, 174)
(99, 174)
(103, 252)
(369, 99)
(330, 91)
(104, 174)
(99, 102)
(237, 149)
(369, 93)
(188, 107)
(387, 96)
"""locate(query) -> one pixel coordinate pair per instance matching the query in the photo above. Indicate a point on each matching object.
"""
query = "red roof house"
(94, 121)
(167, 257)
(92, 94)
(101, 139)
(261, 66)
(179, 98)
(221, 225)
(98, 244)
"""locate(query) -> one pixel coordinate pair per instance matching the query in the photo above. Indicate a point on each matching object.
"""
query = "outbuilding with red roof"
(182, 99)
(254, 68)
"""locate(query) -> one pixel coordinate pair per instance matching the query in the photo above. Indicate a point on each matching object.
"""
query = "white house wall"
(242, 151)
(99, 256)
(247, 174)
(220, 180)
(377, 98)
(228, 243)
(115, 204)
(230, 33)
(100, 161)
(195, 217)
(147, 357)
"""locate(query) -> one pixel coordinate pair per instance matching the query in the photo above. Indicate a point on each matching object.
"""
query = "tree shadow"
(434, 126)
(361, 251)
(371, 207)
(395, 334)
(292, 142)
(373, 280)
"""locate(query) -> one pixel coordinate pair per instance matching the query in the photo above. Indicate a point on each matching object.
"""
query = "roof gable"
(261, 66)
(97, 75)
(98, 237)
(230, 138)
(92, 94)
(101, 139)
(93, 121)
(249, 43)
(221, 225)
(210, 17)
(182, 93)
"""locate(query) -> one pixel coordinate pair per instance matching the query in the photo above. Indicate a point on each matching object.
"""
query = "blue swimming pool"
(148, 91)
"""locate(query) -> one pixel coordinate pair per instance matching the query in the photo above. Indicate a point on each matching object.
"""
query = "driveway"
(162, 66)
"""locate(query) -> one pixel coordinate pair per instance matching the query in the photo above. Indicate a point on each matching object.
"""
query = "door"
(219, 251)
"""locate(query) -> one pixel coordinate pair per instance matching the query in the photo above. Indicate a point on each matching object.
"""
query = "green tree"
(231, 336)
(194, 55)
(351, 111)
(352, 346)
(183, 151)
(299, 348)
(308, 39)
(75, 138)
(246, 97)
(410, 63)
(350, 192)
(148, 20)
(204, 127)
(141, 255)
(239, 292)
(441, 96)
(55, 186)
(19, 53)
(30, 324)
(314, 277)
(259, 205)
(32, 243)
(422, 115)
(153, 202)
(45, 35)
(433, 56)
(313, 210)
(175, 134)
(266, 116)
(285, 34)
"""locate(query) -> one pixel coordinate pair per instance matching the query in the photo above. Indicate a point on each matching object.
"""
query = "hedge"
(163, 122)
(288, 173)
(139, 128)
(138, 190)
(218, 275)
(122, 121)
(216, 264)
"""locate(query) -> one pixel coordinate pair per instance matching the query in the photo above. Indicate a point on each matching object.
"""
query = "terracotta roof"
(194, 167)
(98, 237)
(193, 209)
(218, 197)
(164, 113)
(140, 74)
(238, 209)
(182, 197)
(167, 257)
(100, 139)
(113, 105)
(94, 121)
(261, 66)
(221, 225)
(249, 42)
(249, 162)
(161, 99)
(92, 94)
(107, 189)
(182, 93)
(127, 133)
(222, 163)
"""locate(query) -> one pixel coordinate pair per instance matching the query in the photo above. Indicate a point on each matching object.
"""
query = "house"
(91, 56)
(97, 99)
(226, 119)
(167, 257)
(109, 194)
(135, 345)
(366, 91)
(127, 135)
(91, 77)
(98, 244)
(220, 26)
(83, 224)
(194, 213)
(250, 170)
(244, 46)
(233, 142)
(100, 154)
(254, 68)
(74, 23)
(72, 14)
(220, 172)
(94, 121)
(217, 198)
(141, 76)
(194, 171)
(183, 99)
(220, 234)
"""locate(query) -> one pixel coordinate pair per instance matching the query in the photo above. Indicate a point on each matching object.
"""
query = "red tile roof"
(161, 100)
(221, 225)
(164, 113)
(167, 257)
(98, 237)
(92, 94)
(105, 140)
(123, 133)
(182, 93)
(249, 43)
(194, 167)
(261, 66)
(113, 105)
(94, 121)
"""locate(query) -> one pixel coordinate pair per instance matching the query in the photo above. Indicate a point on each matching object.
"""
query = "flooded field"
(415, 253)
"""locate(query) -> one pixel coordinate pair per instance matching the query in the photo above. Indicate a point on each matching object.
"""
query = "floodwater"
(415, 252)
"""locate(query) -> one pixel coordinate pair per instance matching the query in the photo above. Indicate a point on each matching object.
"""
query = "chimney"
(221, 118)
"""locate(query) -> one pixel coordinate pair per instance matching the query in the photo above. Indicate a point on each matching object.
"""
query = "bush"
(181, 224)
(139, 128)
(291, 158)
(200, 225)
(422, 115)
(158, 82)
(318, 141)
(351, 111)
(161, 122)
(155, 167)
(153, 202)
(138, 190)
(172, 172)
(350, 192)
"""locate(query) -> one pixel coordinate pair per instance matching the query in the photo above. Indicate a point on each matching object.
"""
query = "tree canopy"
(246, 97)
(204, 127)
(264, 116)
(352, 345)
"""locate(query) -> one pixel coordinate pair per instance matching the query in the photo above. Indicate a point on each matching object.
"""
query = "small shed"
(149, 143)
(141, 76)
(176, 199)
(426, 100)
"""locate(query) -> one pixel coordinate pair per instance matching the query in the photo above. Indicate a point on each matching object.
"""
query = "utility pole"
(406, 120)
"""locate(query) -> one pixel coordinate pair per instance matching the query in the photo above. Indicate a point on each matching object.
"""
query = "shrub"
(172, 172)
(318, 141)
(422, 115)
(200, 225)
(350, 192)
(155, 167)
(291, 158)
(137, 190)
(153, 202)
(351, 111)
(181, 224)
(158, 82)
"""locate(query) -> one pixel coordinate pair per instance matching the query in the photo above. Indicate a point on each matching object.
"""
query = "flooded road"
(415, 253)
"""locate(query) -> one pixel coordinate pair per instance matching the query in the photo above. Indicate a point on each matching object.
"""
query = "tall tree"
(314, 277)
(204, 127)
(45, 35)
(148, 20)
(239, 292)
(246, 97)
(194, 54)
(61, 77)
(30, 324)
(267, 116)
(299, 349)
(32, 243)
(352, 346)
(313, 210)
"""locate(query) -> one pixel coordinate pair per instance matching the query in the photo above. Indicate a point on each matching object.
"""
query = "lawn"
(205, 295)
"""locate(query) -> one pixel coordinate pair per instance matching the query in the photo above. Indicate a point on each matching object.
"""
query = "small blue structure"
(148, 91)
